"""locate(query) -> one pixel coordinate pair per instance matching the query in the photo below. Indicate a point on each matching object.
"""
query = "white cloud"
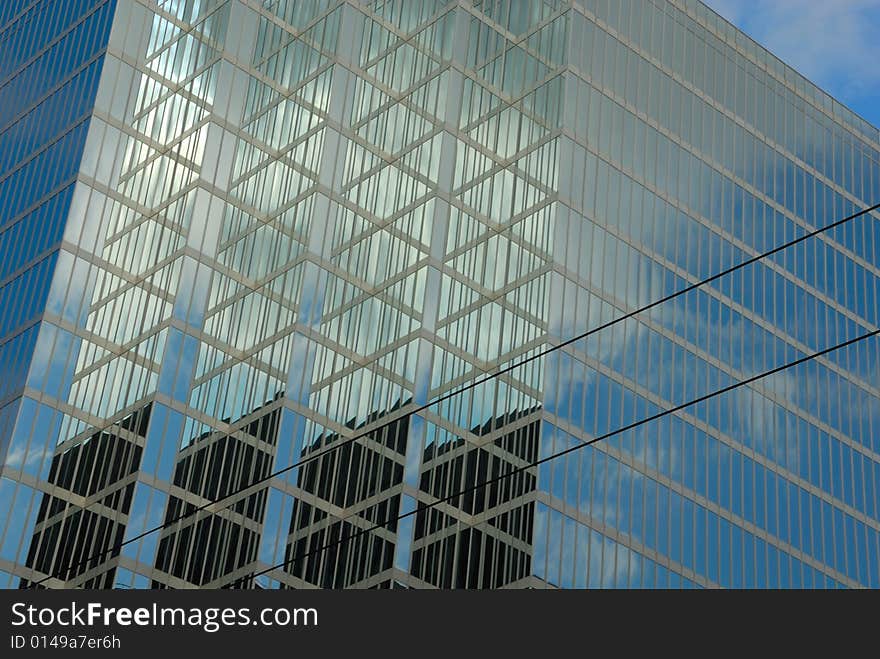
(831, 42)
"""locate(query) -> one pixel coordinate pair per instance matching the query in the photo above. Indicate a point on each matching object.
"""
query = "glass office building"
(235, 234)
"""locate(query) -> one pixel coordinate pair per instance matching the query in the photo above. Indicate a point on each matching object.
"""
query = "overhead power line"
(577, 447)
(451, 394)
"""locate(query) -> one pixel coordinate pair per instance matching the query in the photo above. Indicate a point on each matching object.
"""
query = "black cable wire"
(488, 376)
(570, 449)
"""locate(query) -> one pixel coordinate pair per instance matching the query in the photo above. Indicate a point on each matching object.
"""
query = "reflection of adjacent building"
(477, 540)
(360, 480)
(483, 538)
(206, 547)
(84, 517)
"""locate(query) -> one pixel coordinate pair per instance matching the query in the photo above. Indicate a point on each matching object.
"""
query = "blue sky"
(834, 43)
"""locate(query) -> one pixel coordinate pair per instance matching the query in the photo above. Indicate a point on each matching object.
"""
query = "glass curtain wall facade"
(51, 57)
(236, 234)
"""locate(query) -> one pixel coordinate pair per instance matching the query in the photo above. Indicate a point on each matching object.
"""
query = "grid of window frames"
(289, 223)
(51, 57)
